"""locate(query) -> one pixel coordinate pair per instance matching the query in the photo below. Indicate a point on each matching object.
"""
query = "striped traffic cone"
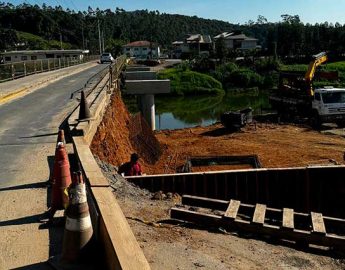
(60, 139)
(78, 227)
(61, 180)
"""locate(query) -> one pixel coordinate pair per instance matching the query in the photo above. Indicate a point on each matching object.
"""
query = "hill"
(289, 37)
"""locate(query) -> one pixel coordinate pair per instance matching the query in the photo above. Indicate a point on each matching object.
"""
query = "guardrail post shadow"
(35, 67)
(41, 65)
(24, 66)
(48, 65)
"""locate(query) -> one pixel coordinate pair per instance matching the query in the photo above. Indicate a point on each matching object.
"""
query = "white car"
(107, 57)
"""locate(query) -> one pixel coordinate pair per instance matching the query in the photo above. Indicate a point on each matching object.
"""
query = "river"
(185, 112)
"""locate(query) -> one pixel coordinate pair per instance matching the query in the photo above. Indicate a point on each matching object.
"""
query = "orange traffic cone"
(84, 110)
(60, 139)
(61, 180)
(78, 228)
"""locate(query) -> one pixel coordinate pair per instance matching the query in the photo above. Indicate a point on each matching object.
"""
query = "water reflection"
(184, 112)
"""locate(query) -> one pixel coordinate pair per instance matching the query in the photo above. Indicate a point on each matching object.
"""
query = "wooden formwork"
(286, 224)
(305, 189)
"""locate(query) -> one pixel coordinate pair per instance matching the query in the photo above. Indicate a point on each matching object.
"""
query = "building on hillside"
(195, 44)
(142, 49)
(239, 41)
(26, 55)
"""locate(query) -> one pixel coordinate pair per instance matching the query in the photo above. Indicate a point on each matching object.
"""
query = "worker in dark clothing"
(131, 168)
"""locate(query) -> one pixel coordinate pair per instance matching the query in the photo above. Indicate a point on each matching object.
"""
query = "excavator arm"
(318, 60)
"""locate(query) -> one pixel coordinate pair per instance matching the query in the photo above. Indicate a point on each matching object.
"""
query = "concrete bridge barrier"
(111, 228)
(141, 75)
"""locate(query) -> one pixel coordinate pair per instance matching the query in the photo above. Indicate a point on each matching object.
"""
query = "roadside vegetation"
(187, 82)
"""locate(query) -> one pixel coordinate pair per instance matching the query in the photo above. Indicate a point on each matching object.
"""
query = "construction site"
(238, 194)
(261, 192)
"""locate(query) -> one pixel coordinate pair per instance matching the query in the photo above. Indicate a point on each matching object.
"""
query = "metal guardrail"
(113, 70)
(21, 69)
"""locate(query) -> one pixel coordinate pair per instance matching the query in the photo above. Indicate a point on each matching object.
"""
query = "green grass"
(186, 82)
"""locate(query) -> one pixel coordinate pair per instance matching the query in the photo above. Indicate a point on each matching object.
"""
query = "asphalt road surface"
(28, 128)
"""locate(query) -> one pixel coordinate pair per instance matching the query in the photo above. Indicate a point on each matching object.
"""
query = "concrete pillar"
(147, 107)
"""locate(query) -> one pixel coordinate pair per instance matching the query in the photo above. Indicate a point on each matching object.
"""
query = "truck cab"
(328, 105)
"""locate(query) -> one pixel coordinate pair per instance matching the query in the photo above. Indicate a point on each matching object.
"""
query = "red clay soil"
(276, 145)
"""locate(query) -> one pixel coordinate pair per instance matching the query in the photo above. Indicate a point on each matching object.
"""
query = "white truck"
(296, 96)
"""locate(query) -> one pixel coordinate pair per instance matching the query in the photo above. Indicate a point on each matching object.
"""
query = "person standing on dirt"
(131, 168)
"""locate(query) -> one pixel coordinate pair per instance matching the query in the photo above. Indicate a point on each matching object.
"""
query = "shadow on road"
(40, 135)
(36, 266)
(25, 186)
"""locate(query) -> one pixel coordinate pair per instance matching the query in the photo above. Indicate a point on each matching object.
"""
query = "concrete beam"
(147, 87)
(137, 68)
(141, 75)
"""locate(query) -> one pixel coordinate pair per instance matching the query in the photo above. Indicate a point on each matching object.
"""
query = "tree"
(221, 50)
(261, 20)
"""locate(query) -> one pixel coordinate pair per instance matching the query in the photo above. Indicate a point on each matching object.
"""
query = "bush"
(245, 78)
(186, 82)
(267, 65)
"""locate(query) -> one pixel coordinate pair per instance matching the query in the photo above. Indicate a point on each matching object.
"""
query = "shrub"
(186, 82)
(245, 78)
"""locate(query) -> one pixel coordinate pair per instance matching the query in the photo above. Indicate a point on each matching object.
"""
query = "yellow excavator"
(296, 96)
(318, 59)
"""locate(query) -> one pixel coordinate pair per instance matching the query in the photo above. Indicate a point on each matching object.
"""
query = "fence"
(320, 189)
(21, 69)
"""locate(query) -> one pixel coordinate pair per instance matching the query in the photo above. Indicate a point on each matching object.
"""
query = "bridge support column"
(147, 108)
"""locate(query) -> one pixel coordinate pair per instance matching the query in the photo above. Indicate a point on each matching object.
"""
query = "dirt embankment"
(276, 145)
(121, 134)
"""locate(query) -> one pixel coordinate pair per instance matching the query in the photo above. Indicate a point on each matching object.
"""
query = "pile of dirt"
(276, 145)
(143, 139)
(121, 134)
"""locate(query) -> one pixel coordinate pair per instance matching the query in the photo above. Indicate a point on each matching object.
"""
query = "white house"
(18, 56)
(142, 49)
(196, 43)
(238, 41)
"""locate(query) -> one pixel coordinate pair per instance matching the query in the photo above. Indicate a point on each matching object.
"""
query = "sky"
(233, 11)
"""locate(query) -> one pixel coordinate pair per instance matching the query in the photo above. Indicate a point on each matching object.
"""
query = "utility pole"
(99, 38)
(60, 41)
(102, 41)
(82, 35)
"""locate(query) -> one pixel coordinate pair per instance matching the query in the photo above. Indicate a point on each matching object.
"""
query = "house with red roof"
(142, 49)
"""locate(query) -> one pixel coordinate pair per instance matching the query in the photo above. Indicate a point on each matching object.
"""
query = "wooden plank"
(318, 224)
(209, 220)
(232, 210)
(259, 214)
(288, 219)
(205, 202)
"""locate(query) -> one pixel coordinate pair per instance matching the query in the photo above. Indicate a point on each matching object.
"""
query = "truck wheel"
(315, 121)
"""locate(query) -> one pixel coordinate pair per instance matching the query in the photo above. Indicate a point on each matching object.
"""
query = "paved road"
(28, 127)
